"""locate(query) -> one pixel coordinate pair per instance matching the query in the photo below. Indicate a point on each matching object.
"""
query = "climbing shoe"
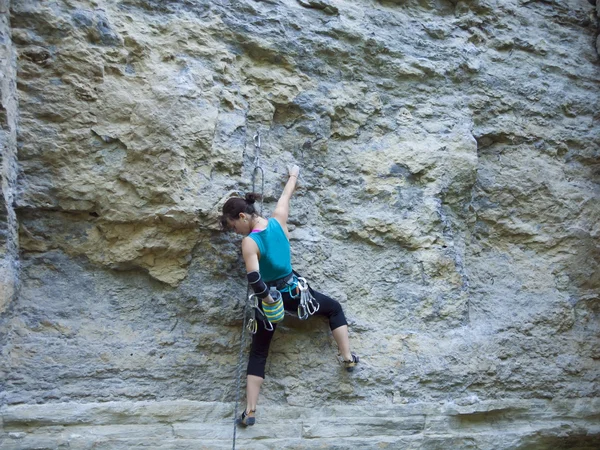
(247, 419)
(350, 365)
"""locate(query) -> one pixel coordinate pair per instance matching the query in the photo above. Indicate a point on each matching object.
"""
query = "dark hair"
(236, 205)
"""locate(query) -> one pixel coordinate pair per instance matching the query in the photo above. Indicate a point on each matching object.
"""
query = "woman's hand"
(294, 171)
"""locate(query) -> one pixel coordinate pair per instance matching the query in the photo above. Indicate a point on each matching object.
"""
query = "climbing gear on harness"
(256, 315)
(350, 365)
(274, 311)
(308, 305)
(296, 285)
(247, 419)
(281, 283)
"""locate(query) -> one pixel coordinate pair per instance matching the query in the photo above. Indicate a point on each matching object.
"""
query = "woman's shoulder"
(249, 243)
(274, 222)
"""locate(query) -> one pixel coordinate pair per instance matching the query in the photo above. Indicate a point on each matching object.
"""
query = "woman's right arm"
(282, 209)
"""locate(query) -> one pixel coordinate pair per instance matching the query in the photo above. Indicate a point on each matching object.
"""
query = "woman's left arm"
(250, 254)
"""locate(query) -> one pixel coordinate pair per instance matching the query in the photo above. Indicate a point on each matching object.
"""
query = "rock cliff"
(448, 198)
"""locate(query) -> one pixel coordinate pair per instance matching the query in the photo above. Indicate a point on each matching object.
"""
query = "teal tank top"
(275, 260)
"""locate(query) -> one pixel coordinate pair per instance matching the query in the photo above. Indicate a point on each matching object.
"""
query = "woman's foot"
(247, 419)
(351, 364)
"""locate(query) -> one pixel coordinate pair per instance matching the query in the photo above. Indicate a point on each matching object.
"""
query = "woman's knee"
(256, 366)
(336, 307)
(259, 353)
(332, 309)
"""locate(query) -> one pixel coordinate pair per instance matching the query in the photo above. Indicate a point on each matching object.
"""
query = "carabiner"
(314, 300)
(253, 299)
(257, 139)
(258, 315)
(268, 328)
(252, 326)
(302, 284)
(310, 306)
(262, 172)
(302, 312)
(296, 293)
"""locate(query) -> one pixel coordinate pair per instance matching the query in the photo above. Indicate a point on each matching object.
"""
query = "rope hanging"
(255, 171)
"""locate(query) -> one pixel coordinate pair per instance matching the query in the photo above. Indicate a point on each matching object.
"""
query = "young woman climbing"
(266, 252)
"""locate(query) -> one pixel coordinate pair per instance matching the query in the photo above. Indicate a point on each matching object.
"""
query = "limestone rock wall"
(8, 165)
(448, 197)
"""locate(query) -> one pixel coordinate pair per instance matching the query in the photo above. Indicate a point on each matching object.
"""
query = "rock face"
(8, 163)
(184, 424)
(448, 199)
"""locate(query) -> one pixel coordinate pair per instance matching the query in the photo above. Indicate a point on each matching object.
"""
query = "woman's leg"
(253, 384)
(261, 342)
(331, 309)
(259, 351)
(340, 334)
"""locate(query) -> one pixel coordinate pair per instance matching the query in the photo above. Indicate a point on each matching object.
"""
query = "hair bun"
(251, 197)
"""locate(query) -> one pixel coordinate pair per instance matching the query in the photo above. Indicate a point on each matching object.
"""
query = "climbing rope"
(307, 305)
(239, 372)
(238, 388)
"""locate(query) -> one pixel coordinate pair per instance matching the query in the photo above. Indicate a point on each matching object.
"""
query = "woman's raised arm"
(282, 209)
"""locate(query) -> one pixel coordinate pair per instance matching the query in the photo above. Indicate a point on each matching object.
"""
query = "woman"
(266, 252)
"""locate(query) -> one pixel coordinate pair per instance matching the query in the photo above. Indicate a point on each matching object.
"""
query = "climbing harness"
(298, 286)
(274, 312)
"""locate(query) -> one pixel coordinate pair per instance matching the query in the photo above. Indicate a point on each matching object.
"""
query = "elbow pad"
(258, 285)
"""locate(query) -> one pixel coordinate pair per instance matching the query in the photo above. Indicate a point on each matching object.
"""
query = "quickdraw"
(308, 305)
(256, 314)
(258, 169)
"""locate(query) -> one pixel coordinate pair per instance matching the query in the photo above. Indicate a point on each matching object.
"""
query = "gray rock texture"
(448, 199)
(184, 424)
(8, 163)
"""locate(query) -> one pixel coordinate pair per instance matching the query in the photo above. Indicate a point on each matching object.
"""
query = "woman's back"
(275, 255)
